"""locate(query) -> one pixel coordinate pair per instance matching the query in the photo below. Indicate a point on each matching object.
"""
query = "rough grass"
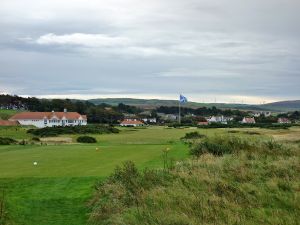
(258, 185)
(57, 190)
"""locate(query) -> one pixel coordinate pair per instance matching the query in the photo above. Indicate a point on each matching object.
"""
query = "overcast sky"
(209, 50)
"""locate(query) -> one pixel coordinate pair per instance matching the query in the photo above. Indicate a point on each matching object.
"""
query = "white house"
(149, 120)
(258, 114)
(219, 119)
(50, 119)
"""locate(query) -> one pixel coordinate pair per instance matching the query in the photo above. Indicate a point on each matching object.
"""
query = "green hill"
(152, 103)
(283, 106)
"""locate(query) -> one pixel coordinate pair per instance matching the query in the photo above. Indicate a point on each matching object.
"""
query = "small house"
(248, 120)
(131, 123)
(284, 121)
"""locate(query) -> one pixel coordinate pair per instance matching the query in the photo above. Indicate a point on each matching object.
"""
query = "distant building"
(256, 114)
(284, 121)
(131, 123)
(202, 123)
(145, 113)
(167, 117)
(219, 119)
(248, 120)
(267, 114)
(9, 123)
(264, 113)
(50, 119)
(129, 115)
(149, 120)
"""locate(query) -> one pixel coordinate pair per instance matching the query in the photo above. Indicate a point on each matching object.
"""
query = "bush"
(221, 145)
(86, 139)
(7, 141)
(90, 129)
(210, 147)
(193, 135)
(35, 139)
(123, 190)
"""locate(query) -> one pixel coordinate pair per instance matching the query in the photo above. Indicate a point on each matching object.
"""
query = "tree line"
(105, 113)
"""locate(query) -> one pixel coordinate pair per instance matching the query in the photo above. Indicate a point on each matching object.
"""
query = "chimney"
(65, 110)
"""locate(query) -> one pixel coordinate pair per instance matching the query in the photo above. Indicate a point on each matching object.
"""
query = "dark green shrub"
(123, 190)
(7, 141)
(35, 139)
(193, 135)
(221, 145)
(90, 129)
(210, 147)
(86, 139)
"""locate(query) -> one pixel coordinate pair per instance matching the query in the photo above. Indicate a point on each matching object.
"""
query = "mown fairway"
(57, 189)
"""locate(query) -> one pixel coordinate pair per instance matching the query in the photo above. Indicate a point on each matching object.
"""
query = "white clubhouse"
(50, 119)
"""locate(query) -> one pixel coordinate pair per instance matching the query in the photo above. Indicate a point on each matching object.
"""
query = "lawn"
(57, 189)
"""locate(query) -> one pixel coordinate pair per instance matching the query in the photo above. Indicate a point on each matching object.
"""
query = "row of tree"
(105, 113)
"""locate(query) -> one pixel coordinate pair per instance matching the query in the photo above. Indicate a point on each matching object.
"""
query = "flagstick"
(179, 119)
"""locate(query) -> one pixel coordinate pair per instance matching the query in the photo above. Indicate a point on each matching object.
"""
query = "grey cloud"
(237, 49)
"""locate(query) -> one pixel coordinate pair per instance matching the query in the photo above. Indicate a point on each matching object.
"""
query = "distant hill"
(153, 103)
(283, 106)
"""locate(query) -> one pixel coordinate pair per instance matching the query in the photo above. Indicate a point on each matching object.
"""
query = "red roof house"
(283, 120)
(131, 123)
(248, 120)
(50, 119)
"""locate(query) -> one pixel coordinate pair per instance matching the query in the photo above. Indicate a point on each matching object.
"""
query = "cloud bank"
(234, 51)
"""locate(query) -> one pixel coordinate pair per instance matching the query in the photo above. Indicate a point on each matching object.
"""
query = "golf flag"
(182, 99)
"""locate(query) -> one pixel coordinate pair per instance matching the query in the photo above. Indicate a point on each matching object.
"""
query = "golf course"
(50, 182)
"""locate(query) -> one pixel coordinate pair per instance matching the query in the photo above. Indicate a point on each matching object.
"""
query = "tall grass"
(230, 181)
(3, 210)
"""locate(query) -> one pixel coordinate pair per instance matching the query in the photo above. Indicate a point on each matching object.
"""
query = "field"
(57, 189)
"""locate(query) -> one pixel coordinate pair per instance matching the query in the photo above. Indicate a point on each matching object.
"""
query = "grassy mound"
(90, 129)
(231, 181)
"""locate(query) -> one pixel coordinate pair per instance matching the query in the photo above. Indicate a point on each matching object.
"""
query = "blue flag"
(182, 99)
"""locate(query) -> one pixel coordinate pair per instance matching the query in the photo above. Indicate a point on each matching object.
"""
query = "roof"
(8, 123)
(249, 120)
(131, 122)
(47, 115)
(203, 123)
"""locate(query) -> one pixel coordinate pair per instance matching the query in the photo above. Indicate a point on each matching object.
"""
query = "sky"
(209, 50)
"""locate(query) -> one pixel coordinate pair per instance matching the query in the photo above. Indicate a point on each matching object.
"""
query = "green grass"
(79, 160)
(7, 113)
(57, 189)
(14, 132)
